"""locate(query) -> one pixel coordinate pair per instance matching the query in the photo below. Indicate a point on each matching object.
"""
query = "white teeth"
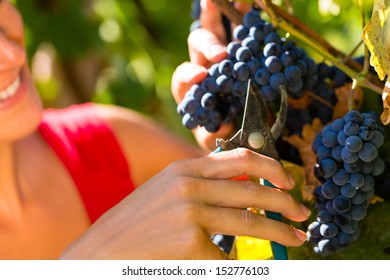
(10, 90)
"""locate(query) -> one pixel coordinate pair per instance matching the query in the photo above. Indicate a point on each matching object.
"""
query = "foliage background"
(124, 52)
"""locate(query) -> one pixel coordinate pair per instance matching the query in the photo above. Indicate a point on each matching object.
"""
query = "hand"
(173, 215)
(207, 45)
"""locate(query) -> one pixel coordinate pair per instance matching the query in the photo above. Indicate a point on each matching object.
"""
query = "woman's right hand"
(174, 214)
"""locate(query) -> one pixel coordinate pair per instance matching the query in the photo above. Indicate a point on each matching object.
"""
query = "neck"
(10, 195)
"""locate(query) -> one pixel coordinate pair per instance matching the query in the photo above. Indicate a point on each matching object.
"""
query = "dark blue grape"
(358, 212)
(356, 180)
(349, 157)
(254, 64)
(378, 139)
(257, 32)
(353, 144)
(329, 230)
(202, 116)
(349, 228)
(232, 48)
(241, 71)
(243, 54)
(268, 93)
(239, 88)
(341, 204)
(341, 137)
(272, 49)
(276, 80)
(252, 18)
(225, 67)
(289, 58)
(329, 167)
(348, 191)
(368, 152)
(251, 43)
(190, 105)
(344, 239)
(273, 64)
(262, 77)
(189, 122)
(378, 167)
(330, 139)
(225, 84)
(324, 217)
(336, 152)
(293, 73)
(353, 116)
(209, 101)
(353, 167)
(329, 190)
(272, 37)
(209, 85)
(240, 32)
(351, 128)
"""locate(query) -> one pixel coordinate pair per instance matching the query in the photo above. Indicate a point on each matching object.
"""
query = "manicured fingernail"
(291, 180)
(300, 234)
(305, 210)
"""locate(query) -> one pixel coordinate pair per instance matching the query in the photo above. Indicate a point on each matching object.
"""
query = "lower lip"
(18, 95)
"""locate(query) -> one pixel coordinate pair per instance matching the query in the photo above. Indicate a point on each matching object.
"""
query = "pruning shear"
(256, 135)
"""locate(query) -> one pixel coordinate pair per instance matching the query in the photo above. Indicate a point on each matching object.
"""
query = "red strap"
(92, 155)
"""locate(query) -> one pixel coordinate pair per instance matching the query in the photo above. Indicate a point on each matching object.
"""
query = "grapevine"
(347, 145)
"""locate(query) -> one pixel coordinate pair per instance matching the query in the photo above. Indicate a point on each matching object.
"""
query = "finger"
(186, 75)
(245, 194)
(240, 222)
(211, 19)
(205, 47)
(237, 162)
(207, 140)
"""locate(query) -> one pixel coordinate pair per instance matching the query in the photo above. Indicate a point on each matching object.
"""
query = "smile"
(10, 90)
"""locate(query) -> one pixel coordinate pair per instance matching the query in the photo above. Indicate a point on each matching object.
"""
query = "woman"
(116, 182)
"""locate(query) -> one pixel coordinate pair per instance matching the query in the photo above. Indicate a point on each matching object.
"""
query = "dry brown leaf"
(376, 35)
(344, 100)
(300, 103)
(385, 117)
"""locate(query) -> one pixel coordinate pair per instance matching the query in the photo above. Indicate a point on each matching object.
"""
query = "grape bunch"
(257, 53)
(348, 160)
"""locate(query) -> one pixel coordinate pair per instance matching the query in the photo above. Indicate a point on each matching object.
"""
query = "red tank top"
(90, 152)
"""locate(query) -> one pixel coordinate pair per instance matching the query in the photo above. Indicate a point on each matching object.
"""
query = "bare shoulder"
(147, 145)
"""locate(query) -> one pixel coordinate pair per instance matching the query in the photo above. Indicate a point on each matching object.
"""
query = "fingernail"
(291, 180)
(305, 210)
(300, 234)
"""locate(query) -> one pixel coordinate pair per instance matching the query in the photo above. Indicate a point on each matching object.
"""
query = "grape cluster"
(347, 155)
(257, 53)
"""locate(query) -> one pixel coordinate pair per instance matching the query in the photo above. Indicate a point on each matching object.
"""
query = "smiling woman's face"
(20, 106)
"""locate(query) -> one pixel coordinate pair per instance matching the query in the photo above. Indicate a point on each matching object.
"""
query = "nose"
(12, 54)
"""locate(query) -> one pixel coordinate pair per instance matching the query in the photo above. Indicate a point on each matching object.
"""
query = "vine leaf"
(376, 36)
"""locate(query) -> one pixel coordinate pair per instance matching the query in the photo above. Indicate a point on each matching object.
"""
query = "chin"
(20, 115)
